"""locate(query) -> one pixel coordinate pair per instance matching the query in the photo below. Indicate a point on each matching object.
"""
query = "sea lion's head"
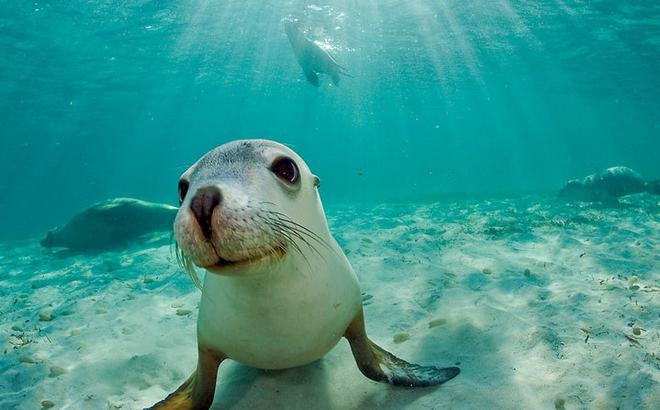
(576, 190)
(291, 26)
(245, 204)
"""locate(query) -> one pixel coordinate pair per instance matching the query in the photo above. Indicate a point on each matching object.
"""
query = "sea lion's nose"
(206, 199)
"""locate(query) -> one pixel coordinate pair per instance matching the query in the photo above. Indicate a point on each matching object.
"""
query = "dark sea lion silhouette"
(111, 223)
(313, 59)
(607, 186)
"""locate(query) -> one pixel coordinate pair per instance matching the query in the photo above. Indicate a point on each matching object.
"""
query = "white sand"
(508, 289)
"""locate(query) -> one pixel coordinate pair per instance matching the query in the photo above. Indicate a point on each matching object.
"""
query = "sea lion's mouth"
(222, 266)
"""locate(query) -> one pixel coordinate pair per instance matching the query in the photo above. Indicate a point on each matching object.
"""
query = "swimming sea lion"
(312, 58)
(279, 291)
(608, 185)
(111, 223)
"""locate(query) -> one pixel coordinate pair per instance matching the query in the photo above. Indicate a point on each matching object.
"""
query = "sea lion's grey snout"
(202, 205)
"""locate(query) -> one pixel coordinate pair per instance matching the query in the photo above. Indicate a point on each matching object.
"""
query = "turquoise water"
(106, 99)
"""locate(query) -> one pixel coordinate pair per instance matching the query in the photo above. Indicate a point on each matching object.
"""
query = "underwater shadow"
(632, 388)
(151, 242)
(464, 345)
(243, 387)
(234, 382)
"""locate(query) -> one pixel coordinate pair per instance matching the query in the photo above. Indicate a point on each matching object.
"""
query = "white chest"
(281, 318)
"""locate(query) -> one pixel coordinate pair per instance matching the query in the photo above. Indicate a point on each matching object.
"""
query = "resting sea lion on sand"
(279, 291)
(608, 185)
(111, 223)
(313, 59)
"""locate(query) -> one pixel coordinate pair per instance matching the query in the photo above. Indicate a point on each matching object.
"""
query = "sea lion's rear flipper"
(47, 242)
(343, 71)
(312, 77)
(382, 366)
(197, 392)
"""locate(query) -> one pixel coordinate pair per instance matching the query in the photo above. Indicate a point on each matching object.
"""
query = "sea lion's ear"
(317, 181)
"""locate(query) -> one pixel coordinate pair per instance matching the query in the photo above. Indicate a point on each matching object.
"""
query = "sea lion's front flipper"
(382, 366)
(653, 187)
(335, 79)
(312, 77)
(197, 392)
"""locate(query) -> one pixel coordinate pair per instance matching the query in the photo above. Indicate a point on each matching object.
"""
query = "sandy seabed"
(541, 304)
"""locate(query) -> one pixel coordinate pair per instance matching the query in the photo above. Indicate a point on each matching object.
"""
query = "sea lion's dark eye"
(183, 190)
(286, 170)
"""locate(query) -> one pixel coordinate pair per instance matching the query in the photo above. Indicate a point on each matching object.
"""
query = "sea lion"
(607, 186)
(279, 291)
(312, 58)
(111, 223)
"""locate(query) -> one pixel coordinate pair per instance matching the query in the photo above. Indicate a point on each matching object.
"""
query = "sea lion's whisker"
(311, 233)
(290, 241)
(285, 232)
(287, 237)
(172, 242)
(186, 264)
(281, 217)
(285, 218)
(302, 234)
(298, 234)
